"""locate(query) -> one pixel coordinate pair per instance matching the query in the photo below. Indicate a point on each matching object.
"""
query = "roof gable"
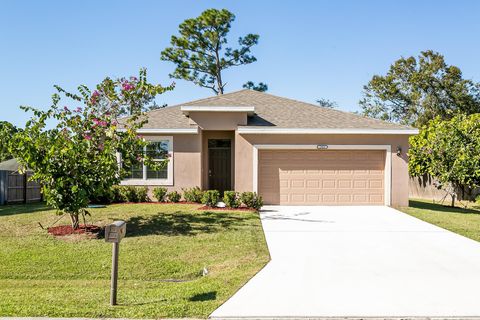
(271, 112)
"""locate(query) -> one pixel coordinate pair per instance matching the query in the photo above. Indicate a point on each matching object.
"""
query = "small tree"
(261, 87)
(6, 131)
(198, 51)
(76, 159)
(449, 151)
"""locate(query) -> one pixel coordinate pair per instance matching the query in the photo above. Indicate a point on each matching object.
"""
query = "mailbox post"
(114, 233)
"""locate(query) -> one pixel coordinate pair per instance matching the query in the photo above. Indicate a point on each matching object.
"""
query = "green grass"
(41, 275)
(464, 221)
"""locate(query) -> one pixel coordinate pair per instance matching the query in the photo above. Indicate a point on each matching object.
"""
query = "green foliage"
(198, 51)
(261, 87)
(129, 194)
(416, 90)
(174, 196)
(251, 200)
(477, 199)
(211, 198)
(75, 160)
(117, 194)
(326, 103)
(449, 151)
(142, 194)
(231, 199)
(6, 131)
(193, 195)
(160, 193)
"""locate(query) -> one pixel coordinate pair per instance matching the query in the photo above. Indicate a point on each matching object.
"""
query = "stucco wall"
(187, 164)
(244, 156)
(219, 120)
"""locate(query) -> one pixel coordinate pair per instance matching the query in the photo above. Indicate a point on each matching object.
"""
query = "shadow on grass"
(185, 223)
(13, 209)
(440, 207)
(206, 296)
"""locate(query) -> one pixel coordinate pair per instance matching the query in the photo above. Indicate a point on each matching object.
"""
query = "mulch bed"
(155, 202)
(89, 229)
(226, 209)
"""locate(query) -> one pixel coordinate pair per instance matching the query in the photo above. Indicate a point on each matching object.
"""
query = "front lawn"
(459, 220)
(160, 269)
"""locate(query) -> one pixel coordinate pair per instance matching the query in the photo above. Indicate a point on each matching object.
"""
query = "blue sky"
(307, 50)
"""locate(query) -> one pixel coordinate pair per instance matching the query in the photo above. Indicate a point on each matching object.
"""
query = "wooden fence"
(423, 188)
(16, 188)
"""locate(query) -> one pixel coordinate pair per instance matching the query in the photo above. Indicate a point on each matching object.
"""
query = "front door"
(219, 164)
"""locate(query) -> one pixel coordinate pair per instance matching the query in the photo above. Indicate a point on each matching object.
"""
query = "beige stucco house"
(290, 152)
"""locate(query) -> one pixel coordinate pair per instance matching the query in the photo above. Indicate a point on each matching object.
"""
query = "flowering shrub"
(76, 158)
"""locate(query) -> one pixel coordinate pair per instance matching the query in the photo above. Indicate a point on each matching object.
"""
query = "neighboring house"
(290, 152)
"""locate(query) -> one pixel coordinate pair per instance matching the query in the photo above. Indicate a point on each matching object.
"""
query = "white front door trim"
(324, 147)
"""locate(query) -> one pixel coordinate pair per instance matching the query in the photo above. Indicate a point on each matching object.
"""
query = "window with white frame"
(159, 149)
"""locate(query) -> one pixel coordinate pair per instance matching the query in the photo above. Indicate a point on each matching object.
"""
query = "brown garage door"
(321, 177)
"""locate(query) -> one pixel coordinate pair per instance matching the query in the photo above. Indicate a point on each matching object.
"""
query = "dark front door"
(219, 164)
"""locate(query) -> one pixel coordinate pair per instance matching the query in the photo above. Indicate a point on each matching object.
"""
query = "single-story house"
(290, 152)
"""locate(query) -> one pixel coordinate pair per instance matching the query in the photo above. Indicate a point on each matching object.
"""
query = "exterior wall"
(187, 162)
(400, 180)
(219, 120)
(216, 135)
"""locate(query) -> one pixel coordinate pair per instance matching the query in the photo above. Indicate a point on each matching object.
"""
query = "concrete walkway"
(359, 262)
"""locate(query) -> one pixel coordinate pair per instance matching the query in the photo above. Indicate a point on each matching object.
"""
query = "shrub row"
(210, 198)
(119, 194)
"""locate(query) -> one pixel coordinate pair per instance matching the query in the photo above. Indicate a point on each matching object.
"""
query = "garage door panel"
(322, 177)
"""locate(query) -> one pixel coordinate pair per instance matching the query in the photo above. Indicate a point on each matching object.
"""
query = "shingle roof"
(270, 111)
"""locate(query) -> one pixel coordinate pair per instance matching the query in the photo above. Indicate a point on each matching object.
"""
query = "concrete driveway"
(359, 262)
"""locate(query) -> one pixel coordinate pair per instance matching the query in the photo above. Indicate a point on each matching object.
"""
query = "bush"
(477, 199)
(210, 198)
(251, 200)
(193, 195)
(129, 194)
(117, 194)
(173, 196)
(160, 193)
(231, 199)
(105, 197)
(142, 194)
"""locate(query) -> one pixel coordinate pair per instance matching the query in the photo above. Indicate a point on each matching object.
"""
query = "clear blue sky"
(307, 49)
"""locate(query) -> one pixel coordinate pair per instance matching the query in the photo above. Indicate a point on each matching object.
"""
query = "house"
(290, 152)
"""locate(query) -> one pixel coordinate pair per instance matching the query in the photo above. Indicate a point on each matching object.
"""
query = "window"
(159, 149)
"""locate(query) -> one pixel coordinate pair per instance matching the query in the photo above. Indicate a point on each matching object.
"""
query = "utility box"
(115, 232)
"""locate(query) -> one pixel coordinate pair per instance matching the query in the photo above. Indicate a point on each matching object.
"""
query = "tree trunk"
(75, 220)
(453, 200)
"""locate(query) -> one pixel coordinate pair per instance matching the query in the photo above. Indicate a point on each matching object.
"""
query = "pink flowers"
(100, 123)
(78, 109)
(87, 137)
(66, 109)
(133, 79)
(94, 97)
(126, 86)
